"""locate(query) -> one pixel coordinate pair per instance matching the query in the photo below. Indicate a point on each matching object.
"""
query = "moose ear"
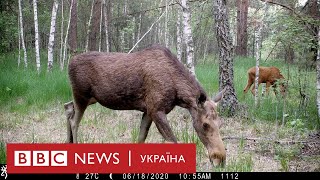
(202, 98)
(219, 96)
(68, 105)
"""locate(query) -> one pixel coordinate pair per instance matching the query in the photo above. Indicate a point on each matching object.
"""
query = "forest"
(267, 128)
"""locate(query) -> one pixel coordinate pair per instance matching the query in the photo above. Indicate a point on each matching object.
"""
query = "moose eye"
(206, 126)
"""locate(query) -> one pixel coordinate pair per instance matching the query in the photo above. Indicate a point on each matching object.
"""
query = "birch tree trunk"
(106, 26)
(19, 39)
(318, 74)
(133, 31)
(258, 46)
(256, 81)
(22, 36)
(89, 26)
(52, 33)
(179, 34)
(61, 36)
(229, 103)
(100, 28)
(188, 36)
(166, 41)
(122, 42)
(139, 25)
(36, 33)
(66, 39)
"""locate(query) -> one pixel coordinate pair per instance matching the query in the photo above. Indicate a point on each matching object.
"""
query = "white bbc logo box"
(40, 158)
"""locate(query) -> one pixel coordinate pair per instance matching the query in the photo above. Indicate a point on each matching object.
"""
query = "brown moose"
(152, 81)
(268, 75)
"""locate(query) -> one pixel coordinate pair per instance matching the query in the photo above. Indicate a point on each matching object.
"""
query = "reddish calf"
(268, 75)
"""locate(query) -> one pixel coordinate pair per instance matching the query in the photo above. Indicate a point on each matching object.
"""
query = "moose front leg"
(162, 124)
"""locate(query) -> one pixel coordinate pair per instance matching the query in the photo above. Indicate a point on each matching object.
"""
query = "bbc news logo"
(101, 158)
(40, 158)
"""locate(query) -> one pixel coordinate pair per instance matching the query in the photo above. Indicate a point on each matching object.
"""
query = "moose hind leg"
(144, 128)
(162, 124)
(249, 84)
(69, 112)
(79, 109)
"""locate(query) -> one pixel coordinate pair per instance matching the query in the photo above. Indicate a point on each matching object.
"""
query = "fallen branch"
(272, 50)
(268, 139)
(146, 32)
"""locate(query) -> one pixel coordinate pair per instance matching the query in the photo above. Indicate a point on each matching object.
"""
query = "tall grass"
(3, 154)
(22, 89)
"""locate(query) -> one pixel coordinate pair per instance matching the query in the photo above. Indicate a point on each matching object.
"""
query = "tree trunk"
(73, 28)
(314, 13)
(89, 26)
(318, 74)
(242, 34)
(100, 27)
(61, 37)
(166, 41)
(35, 12)
(139, 25)
(258, 56)
(19, 39)
(230, 102)
(52, 33)
(133, 32)
(66, 38)
(106, 26)
(179, 34)
(188, 36)
(22, 36)
(256, 81)
(94, 32)
(109, 17)
(289, 54)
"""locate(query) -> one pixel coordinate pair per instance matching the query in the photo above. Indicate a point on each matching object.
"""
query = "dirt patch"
(312, 145)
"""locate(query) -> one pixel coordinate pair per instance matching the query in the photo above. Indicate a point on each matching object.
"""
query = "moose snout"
(217, 154)
(218, 159)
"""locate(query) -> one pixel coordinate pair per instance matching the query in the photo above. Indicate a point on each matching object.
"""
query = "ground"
(254, 146)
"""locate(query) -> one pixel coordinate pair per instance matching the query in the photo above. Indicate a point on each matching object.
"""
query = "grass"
(29, 98)
(241, 164)
(3, 155)
(22, 89)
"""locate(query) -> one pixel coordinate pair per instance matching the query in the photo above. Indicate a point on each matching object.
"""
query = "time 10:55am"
(198, 175)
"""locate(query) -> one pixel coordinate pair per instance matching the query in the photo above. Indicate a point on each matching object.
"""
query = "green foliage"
(22, 89)
(8, 31)
(3, 154)
(285, 154)
(294, 32)
(243, 163)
